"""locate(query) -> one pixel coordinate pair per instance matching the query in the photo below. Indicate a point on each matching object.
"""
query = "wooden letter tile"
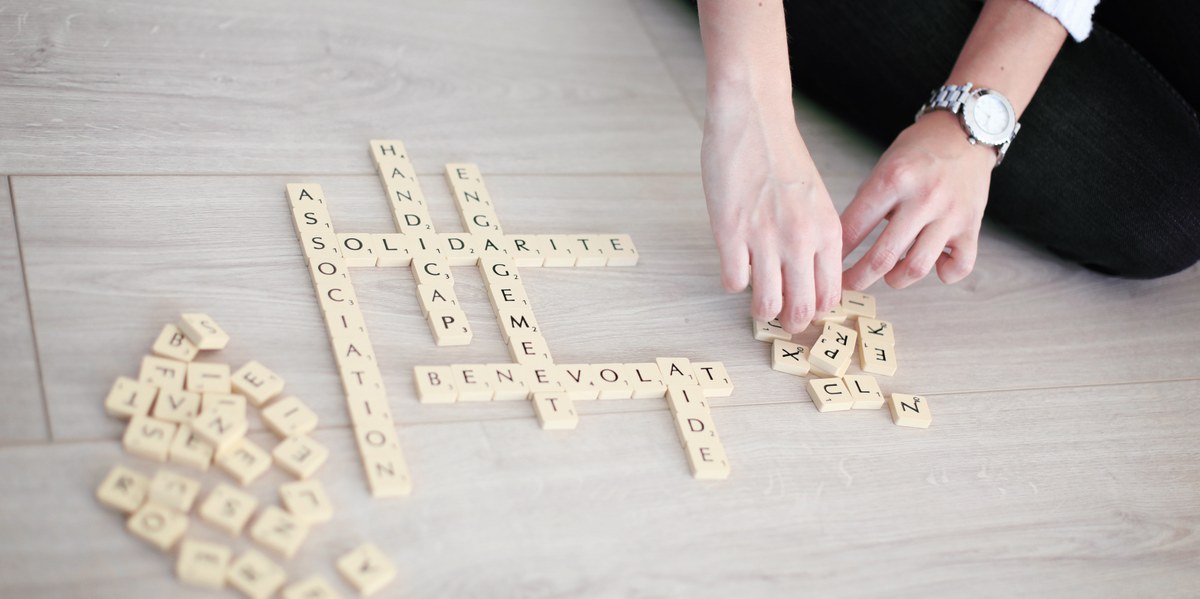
(436, 296)
(358, 249)
(506, 380)
(875, 359)
(203, 331)
(202, 564)
(173, 344)
(307, 501)
(123, 489)
(278, 531)
(300, 456)
(831, 354)
(529, 349)
(555, 411)
(208, 377)
(244, 461)
(472, 382)
(910, 410)
(707, 460)
(576, 381)
(366, 569)
(695, 427)
(172, 490)
(876, 332)
(676, 371)
(449, 327)
(620, 250)
(219, 428)
(835, 315)
(686, 399)
(227, 508)
(557, 251)
(830, 395)
(789, 357)
(158, 525)
(289, 416)
(714, 378)
(395, 249)
(646, 380)
(313, 587)
(230, 404)
(435, 384)
(429, 268)
(526, 250)
(344, 321)
(857, 303)
(770, 330)
(257, 383)
(189, 450)
(610, 380)
(163, 373)
(129, 398)
(255, 575)
(177, 406)
(864, 389)
(149, 438)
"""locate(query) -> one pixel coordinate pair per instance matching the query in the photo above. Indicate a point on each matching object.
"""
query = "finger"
(767, 298)
(956, 265)
(868, 208)
(828, 278)
(896, 238)
(921, 257)
(798, 295)
(735, 264)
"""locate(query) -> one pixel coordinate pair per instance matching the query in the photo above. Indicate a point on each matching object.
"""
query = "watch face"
(989, 117)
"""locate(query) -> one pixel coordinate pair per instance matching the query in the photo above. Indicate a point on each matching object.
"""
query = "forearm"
(1010, 49)
(745, 50)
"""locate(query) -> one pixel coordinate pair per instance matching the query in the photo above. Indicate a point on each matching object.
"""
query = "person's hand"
(772, 218)
(931, 186)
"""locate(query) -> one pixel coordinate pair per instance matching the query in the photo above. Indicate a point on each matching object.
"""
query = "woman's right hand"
(775, 226)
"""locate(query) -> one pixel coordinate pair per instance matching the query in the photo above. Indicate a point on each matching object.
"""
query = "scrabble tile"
(857, 303)
(173, 344)
(910, 410)
(557, 251)
(355, 351)
(685, 399)
(835, 315)
(769, 331)
(230, 404)
(227, 508)
(676, 371)
(320, 246)
(289, 416)
(395, 249)
(383, 462)
(480, 221)
(526, 250)
(449, 327)
(342, 321)
(646, 380)
(310, 220)
(279, 531)
(203, 331)
(620, 250)
(433, 296)
(366, 569)
(257, 383)
(517, 321)
(610, 380)
(472, 382)
(300, 456)
(429, 268)
(128, 398)
(876, 359)
(148, 438)
(499, 271)
(713, 378)
(464, 175)
(575, 382)
(789, 357)
(177, 406)
(589, 250)
(158, 525)
(255, 575)
(245, 461)
(368, 408)
(507, 296)
(163, 373)
(383, 150)
(878, 333)
(123, 489)
(358, 249)
(830, 395)
(707, 460)
(362, 380)
(507, 381)
(333, 294)
(695, 426)
(435, 384)
(412, 217)
(202, 564)
(555, 411)
(307, 500)
(529, 348)
(865, 392)
(188, 450)
(220, 429)
(208, 377)
(313, 587)
(458, 248)
(539, 378)
(831, 354)
(491, 245)
(329, 272)
(305, 194)
(173, 490)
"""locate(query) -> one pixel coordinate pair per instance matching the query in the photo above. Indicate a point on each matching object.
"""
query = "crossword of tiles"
(532, 373)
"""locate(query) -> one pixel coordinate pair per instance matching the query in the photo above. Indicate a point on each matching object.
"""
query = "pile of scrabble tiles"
(829, 359)
(193, 414)
(553, 390)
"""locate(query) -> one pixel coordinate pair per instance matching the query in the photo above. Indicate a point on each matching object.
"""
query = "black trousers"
(1106, 169)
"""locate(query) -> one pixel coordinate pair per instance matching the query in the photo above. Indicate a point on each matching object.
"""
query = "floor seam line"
(37, 353)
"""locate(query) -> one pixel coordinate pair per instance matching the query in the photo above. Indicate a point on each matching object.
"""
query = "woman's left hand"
(931, 186)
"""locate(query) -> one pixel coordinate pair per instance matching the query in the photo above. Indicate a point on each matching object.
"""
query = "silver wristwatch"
(985, 113)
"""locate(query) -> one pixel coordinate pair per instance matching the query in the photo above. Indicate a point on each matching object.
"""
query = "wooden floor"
(143, 152)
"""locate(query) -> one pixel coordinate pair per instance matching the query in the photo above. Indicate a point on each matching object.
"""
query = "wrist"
(945, 130)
